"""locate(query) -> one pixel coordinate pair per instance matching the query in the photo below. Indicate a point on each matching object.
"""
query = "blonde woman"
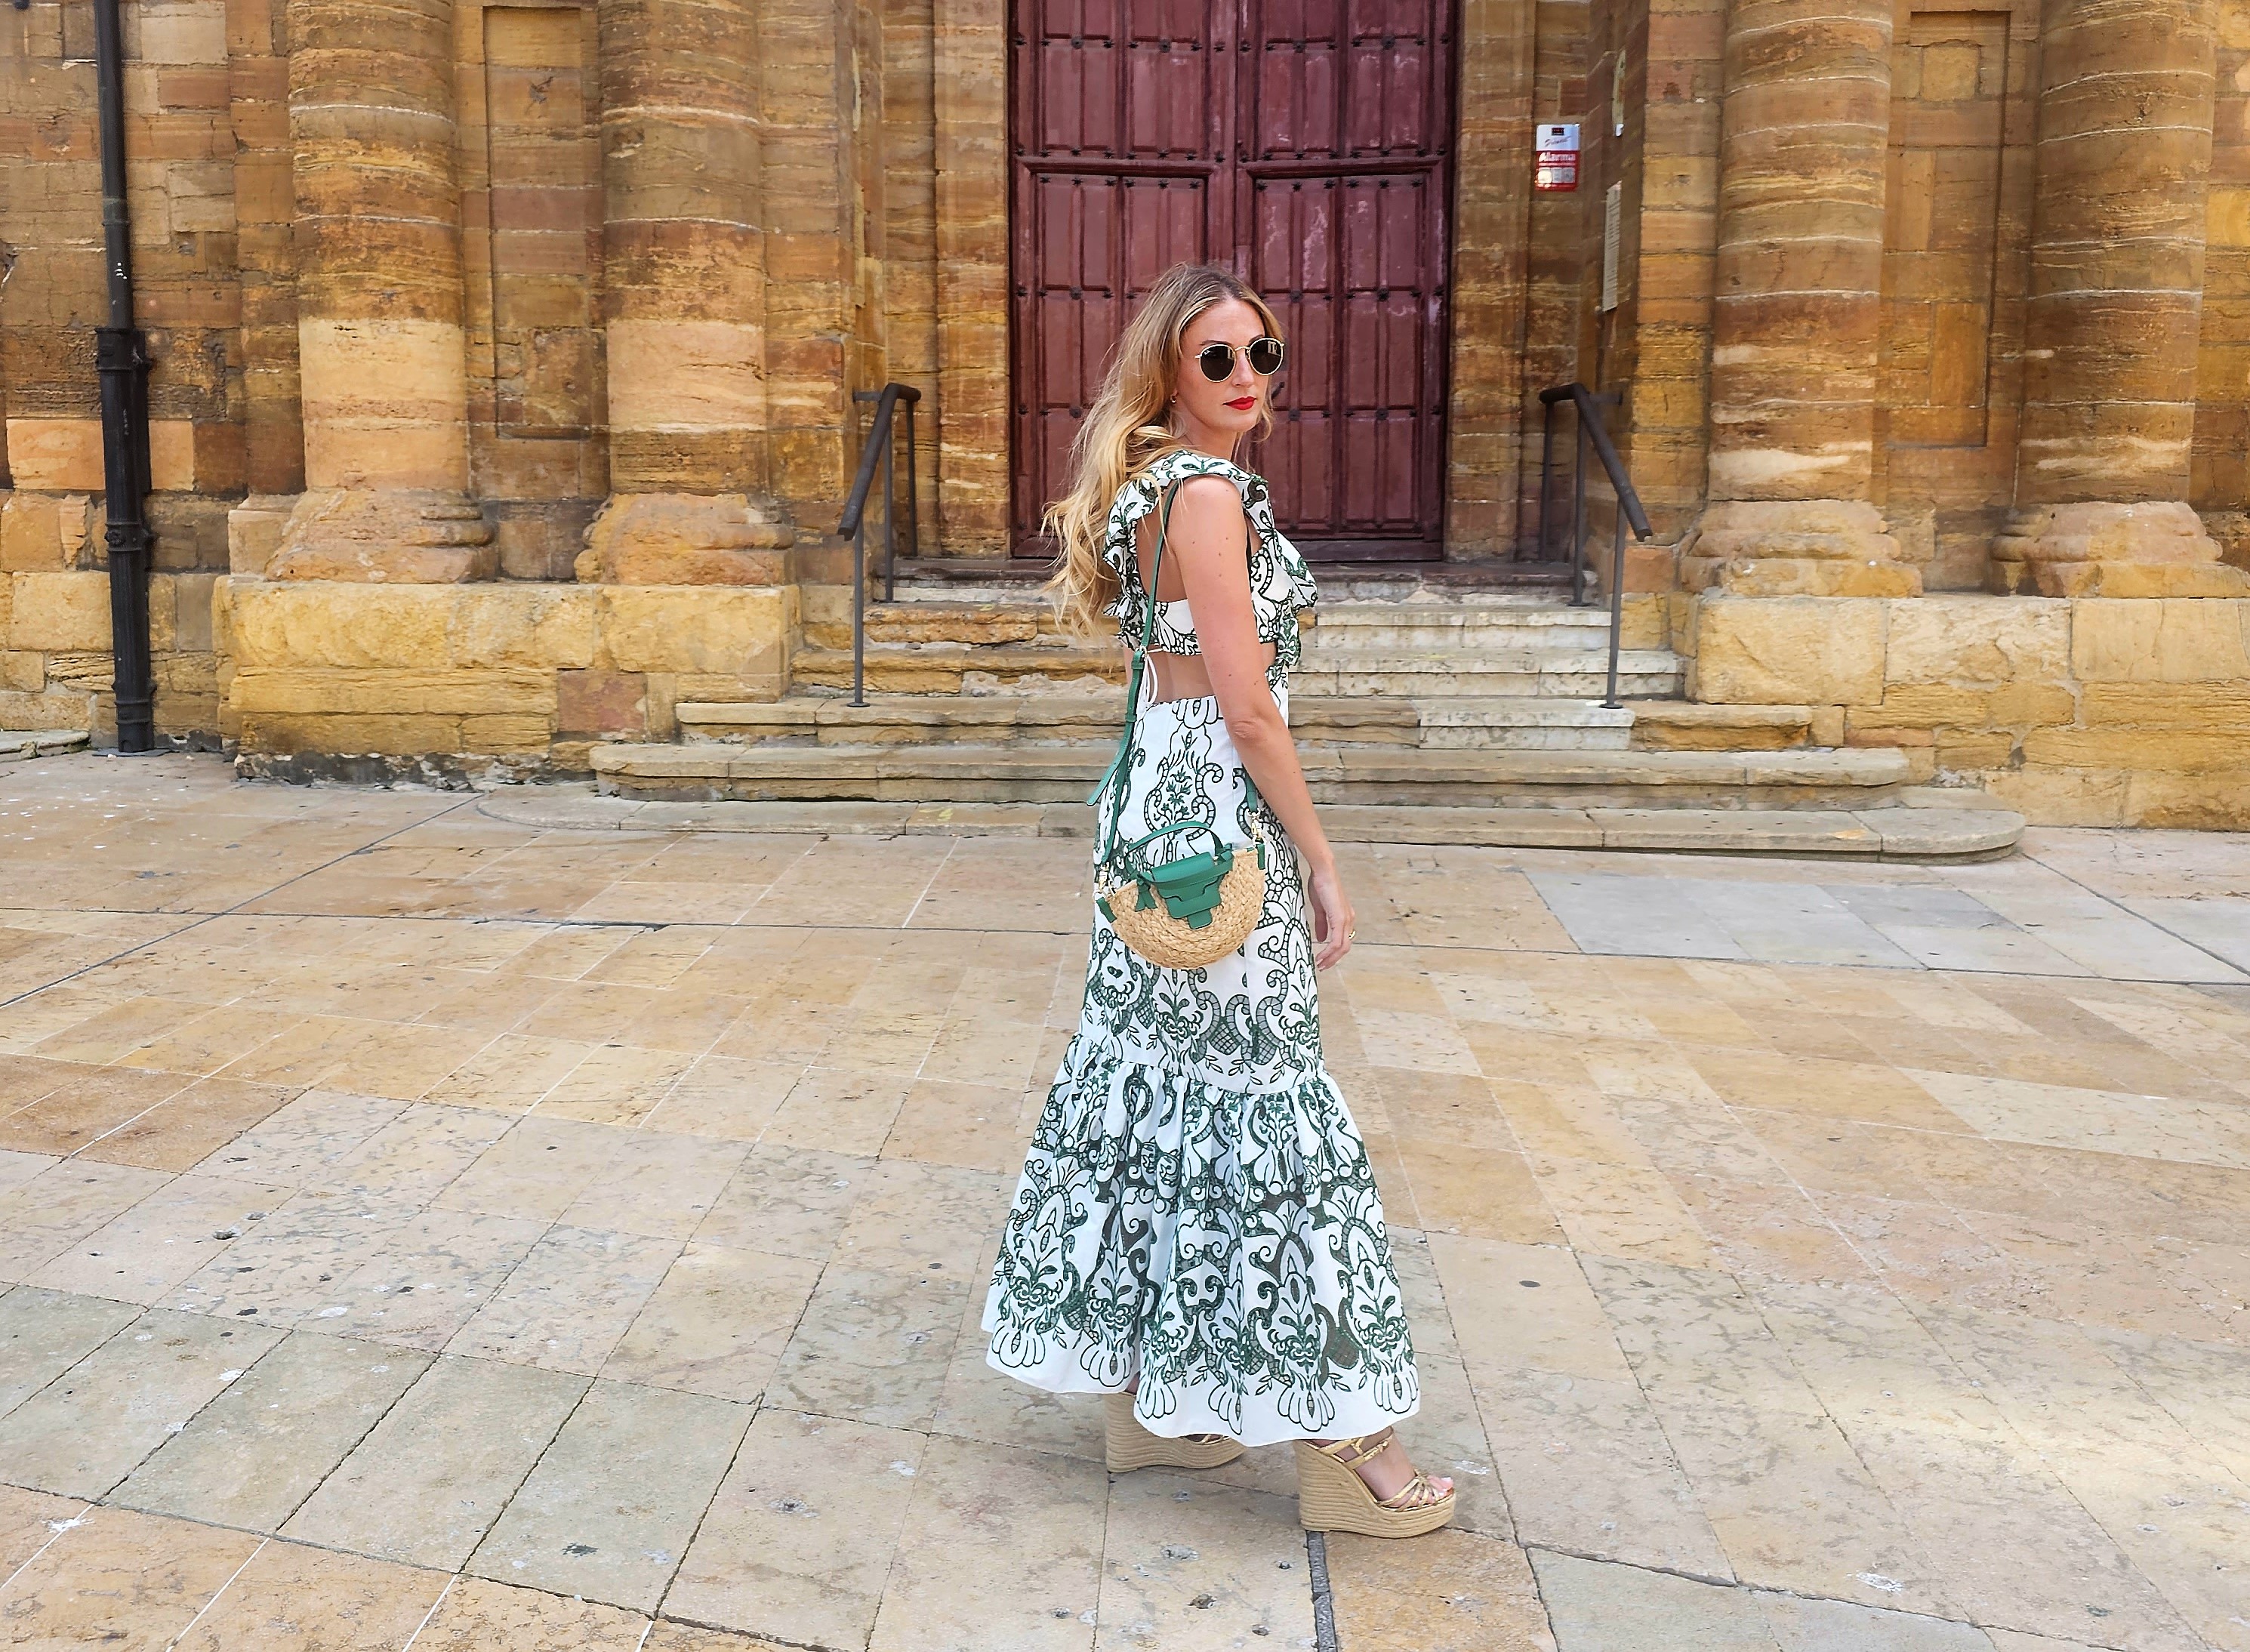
(1196, 1234)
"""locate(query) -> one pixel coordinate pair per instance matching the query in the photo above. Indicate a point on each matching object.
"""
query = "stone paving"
(423, 1230)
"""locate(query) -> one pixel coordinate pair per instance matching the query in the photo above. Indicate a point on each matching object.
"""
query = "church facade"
(511, 360)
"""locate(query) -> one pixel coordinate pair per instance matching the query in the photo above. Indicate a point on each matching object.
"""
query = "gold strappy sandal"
(1332, 1498)
(1126, 1445)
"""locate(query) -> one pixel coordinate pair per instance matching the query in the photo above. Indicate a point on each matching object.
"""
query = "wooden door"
(1307, 143)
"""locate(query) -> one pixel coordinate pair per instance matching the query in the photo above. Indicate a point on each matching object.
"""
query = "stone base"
(2152, 550)
(685, 539)
(400, 536)
(1796, 548)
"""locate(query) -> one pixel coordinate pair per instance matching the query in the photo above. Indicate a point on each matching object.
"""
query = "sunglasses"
(1218, 360)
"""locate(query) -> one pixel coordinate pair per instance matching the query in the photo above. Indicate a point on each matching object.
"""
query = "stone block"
(523, 625)
(2214, 800)
(2180, 639)
(1979, 640)
(42, 533)
(55, 455)
(722, 630)
(1814, 577)
(2213, 707)
(1789, 651)
(55, 709)
(59, 613)
(685, 539)
(283, 733)
(253, 532)
(2179, 751)
(318, 623)
(321, 693)
(385, 536)
(601, 702)
(1970, 754)
(22, 672)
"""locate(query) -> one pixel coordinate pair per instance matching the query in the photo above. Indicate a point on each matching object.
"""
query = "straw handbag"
(1195, 909)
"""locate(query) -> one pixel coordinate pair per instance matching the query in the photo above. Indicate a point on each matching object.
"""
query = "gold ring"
(1351, 935)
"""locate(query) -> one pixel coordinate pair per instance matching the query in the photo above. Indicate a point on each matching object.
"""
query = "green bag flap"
(1190, 887)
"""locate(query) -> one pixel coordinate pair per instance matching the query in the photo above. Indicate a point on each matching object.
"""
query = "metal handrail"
(879, 446)
(1593, 431)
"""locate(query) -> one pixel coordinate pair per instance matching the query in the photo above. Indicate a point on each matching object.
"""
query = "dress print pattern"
(1197, 1211)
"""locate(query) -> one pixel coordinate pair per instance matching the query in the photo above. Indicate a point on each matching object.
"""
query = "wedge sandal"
(1332, 1498)
(1127, 1446)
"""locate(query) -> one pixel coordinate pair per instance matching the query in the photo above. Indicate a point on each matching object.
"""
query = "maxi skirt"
(1196, 1212)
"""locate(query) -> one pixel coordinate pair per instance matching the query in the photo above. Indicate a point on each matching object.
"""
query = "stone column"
(2116, 293)
(383, 377)
(1803, 139)
(683, 300)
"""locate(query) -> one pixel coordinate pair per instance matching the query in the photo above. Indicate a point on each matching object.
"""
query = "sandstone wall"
(504, 680)
(2078, 711)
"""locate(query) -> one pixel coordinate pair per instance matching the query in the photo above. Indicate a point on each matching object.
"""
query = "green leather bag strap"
(1113, 780)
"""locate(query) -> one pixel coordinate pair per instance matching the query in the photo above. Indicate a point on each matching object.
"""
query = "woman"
(1196, 1234)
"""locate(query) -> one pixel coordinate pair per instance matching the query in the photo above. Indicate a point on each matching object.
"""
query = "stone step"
(969, 623)
(18, 745)
(1885, 833)
(948, 668)
(1677, 725)
(1058, 718)
(1354, 775)
(1643, 674)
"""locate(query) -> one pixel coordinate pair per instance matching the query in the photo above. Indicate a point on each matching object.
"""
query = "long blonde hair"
(1127, 428)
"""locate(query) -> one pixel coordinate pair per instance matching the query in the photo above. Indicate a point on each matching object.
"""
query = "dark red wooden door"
(1307, 143)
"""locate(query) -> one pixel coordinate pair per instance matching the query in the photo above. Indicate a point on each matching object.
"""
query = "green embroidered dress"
(1197, 1209)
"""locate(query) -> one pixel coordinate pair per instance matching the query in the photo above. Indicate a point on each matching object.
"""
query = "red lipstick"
(1242, 404)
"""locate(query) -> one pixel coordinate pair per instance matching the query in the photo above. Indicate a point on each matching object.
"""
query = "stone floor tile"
(656, 1184)
(684, 1637)
(1587, 1469)
(479, 1616)
(800, 1541)
(404, 1061)
(214, 1039)
(1832, 1089)
(118, 1029)
(973, 1126)
(17, 1168)
(287, 1267)
(616, 1085)
(718, 1322)
(535, 1170)
(1485, 1194)
(1643, 916)
(30, 1521)
(161, 1241)
(184, 1129)
(1452, 1591)
(1615, 1210)
(875, 1344)
(426, 1484)
(290, 1598)
(793, 1201)
(726, 1097)
(426, 1277)
(567, 1305)
(301, 1143)
(253, 1455)
(1602, 1606)
(1000, 1547)
(1191, 1565)
(609, 1510)
(1555, 1121)
(2141, 1126)
(44, 1333)
(839, 1110)
(85, 1106)
(510, 1075)
(89, 1427)
(1770, 1230)
(925, 1217)
(117, 1578)
(305, 1053)
(1835, 1626)
(415, 1156)
(43, 1217)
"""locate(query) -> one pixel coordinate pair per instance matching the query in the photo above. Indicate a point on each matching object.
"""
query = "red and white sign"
(1554, 162)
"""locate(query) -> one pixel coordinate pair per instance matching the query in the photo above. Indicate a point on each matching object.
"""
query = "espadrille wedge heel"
(1126, 1445)
(1332, 1498)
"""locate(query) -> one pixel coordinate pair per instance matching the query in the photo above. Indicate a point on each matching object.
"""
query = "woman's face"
(1229, 409)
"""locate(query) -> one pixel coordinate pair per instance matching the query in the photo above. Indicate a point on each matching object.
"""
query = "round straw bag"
(1192, 910)
(1189, 912)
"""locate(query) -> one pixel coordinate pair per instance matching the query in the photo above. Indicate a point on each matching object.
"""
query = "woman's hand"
(1332, 918)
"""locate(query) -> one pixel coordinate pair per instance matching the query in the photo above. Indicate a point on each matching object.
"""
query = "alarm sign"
(1554, 163)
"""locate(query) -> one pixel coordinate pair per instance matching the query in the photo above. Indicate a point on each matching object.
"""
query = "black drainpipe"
(121, 359)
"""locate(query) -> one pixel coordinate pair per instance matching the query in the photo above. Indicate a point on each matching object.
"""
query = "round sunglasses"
(1218, 360)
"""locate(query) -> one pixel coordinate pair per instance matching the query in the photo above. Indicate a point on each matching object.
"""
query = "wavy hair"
(1127, 428)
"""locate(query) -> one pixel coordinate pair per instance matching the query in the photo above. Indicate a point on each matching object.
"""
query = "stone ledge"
(1920, 834)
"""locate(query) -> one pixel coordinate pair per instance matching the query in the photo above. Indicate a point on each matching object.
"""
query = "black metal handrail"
(879, 445)
(1593, 431)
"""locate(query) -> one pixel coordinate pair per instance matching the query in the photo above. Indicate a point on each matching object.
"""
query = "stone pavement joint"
(416, 1228)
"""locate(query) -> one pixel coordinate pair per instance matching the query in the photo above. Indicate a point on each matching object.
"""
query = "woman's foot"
(1389, 1473)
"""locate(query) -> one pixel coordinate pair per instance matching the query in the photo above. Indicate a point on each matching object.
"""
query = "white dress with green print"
(1196, 1212)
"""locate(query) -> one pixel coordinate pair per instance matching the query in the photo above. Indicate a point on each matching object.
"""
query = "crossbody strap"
(1112, 788)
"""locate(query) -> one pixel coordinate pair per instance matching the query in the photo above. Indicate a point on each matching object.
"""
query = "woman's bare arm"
(1208, 542)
